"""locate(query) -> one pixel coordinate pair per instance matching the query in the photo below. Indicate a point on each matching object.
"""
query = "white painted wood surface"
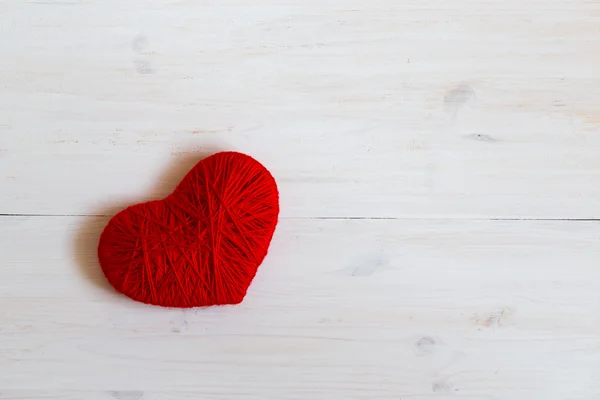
(438, 163)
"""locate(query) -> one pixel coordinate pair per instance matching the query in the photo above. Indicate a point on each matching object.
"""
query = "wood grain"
(392, 109)
(340, 309)
(437, 161)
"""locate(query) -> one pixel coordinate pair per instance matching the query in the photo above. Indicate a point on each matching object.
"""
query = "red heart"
(202, 244)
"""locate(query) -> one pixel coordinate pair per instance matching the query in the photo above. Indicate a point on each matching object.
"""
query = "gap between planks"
(9, 215)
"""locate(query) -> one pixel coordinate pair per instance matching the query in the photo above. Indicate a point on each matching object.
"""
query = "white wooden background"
(439, 169)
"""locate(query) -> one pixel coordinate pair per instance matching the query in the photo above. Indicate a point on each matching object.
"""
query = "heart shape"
(201, 245)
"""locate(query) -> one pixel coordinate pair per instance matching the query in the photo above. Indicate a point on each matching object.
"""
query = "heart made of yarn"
(201, 245)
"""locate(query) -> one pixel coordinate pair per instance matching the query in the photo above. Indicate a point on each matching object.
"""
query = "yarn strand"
(200, 246)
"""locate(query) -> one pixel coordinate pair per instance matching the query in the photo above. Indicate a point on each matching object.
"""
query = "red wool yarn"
(200, 246)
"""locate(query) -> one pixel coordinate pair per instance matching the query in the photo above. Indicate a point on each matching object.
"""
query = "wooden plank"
(392, 109)
(340, 309)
